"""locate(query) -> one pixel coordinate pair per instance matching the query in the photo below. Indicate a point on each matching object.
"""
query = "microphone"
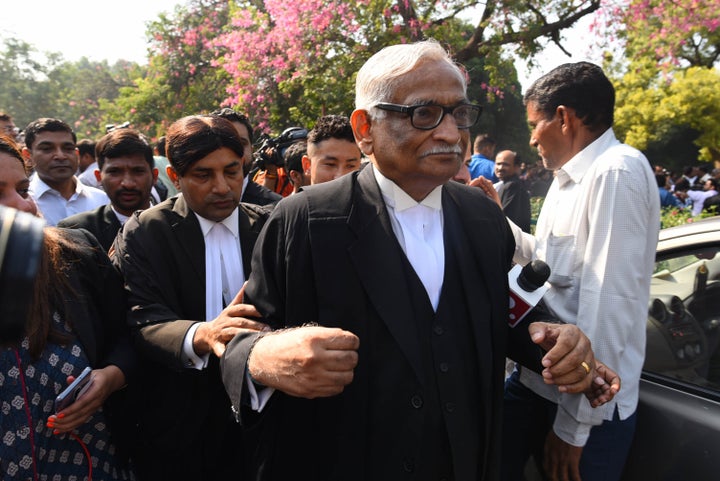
(527, 286)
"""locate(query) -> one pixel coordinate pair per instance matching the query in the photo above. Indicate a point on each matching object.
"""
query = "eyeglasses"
(429, 116)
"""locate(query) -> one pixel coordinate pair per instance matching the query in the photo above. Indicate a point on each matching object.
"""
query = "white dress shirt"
(54, 207)
(418, 227)
(598, 232)
(698, 199)
(88, 178)
(224, 276)
(122, 218)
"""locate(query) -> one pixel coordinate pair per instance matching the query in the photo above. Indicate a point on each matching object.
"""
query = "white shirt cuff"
(189, 359)
(258, 400)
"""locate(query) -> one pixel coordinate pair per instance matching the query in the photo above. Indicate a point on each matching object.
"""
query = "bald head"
(507, 163)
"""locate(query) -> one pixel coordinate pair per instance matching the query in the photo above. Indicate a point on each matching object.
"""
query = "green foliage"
(39, 85)
(669, 216)
(25, 91)
(84, 90)
(652, 110)
(668, 90)
(536, 204)
(674, 216)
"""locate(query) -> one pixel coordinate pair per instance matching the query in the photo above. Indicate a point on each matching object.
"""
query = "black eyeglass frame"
(410, 111)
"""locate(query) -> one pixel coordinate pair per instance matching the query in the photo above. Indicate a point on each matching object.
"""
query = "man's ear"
(28, 157)
(361, 125)
(295, 178)
(98, 175)
(174, 177)
(567, 118)
(154, 175)
(305, 164)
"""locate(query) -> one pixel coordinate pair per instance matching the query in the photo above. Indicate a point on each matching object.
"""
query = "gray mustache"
(446, 149)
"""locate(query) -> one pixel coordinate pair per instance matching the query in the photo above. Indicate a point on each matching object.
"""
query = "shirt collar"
(576, 167)
(122, 218)
(38, 187)
(231, 222)
(399, 200)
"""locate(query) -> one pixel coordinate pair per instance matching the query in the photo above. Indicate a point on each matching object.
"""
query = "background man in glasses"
(7, 126)
(405, 274)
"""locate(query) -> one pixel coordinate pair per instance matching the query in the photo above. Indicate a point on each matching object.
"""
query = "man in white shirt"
(87, 164)
(50, 150)
(598, 232)
(698, 197)
(185, 260)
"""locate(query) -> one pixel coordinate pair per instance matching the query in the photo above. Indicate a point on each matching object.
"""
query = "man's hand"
(605, 385)
(487, 186)
(214, 335)
(306, 362)
(562, 460)
(569, 361)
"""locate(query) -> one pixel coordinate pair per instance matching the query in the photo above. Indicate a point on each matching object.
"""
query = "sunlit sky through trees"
(111, 31)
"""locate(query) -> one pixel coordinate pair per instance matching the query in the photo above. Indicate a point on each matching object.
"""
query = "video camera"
(271, 149)
(21, 237)
(110, 127)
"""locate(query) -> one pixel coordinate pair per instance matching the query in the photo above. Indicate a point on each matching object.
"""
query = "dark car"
(678, 431)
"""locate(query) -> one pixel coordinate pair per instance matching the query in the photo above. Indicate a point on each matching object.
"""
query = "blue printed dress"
(28, 449)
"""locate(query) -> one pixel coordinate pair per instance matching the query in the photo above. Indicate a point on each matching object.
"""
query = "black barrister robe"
(329, 255)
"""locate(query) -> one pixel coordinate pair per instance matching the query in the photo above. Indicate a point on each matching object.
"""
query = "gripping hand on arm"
(308, 362)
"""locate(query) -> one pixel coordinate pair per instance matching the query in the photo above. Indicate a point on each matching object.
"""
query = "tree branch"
(478, 43)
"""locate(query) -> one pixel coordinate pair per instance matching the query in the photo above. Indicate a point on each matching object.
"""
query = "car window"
(683, 326)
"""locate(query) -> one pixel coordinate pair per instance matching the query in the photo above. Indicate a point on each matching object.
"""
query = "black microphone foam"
(533, 275)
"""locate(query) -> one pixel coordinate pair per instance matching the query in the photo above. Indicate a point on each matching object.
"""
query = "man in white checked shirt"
(597, 231)
(184, 261)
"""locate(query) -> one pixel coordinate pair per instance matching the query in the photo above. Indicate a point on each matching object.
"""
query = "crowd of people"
(342, 311)
(696, 189)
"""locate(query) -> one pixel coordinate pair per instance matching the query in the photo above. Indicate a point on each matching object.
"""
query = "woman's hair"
(51, 288)
(9, 147)
(51, 291)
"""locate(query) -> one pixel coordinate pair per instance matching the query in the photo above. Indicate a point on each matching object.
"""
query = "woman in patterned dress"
(76, 320)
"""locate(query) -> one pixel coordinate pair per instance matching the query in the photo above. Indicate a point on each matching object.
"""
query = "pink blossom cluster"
(664, 25)
(264, 49)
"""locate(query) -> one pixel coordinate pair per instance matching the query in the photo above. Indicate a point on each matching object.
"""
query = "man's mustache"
(444, 150)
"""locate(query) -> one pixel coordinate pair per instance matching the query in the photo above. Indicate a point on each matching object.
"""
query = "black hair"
(193, 138)
(293, 156)
(331, 127)
(122, 142)
(234, 116)
(46, 125)
(581, 86)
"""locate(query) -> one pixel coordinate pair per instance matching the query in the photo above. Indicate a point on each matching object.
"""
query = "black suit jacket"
(101, 222)
(184, 412)
(329, 255)
(516, 202)
(255, 193)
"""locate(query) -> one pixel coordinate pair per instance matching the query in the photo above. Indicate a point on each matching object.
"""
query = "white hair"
(378, 78)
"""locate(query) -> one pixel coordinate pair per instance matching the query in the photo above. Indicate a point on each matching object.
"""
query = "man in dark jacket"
(404, 274)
